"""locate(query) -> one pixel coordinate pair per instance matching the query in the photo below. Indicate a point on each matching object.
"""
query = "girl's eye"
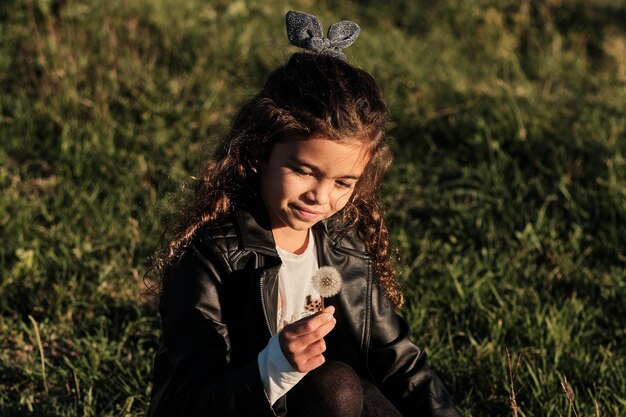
(343, 184)
(300, 172)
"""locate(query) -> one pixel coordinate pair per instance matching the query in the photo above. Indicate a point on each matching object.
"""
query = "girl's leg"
(332, 390)
(375, 404)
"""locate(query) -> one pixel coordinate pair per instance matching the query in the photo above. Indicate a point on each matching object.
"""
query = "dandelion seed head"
(327, 281)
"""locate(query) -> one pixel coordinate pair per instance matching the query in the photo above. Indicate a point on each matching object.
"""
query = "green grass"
(507, 200)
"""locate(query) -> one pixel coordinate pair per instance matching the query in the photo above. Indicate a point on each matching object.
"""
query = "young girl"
(291, 189)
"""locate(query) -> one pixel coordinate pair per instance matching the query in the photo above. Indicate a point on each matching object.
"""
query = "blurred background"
(506, 202)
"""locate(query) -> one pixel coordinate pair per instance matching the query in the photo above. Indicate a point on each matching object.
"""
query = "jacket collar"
(253, 226)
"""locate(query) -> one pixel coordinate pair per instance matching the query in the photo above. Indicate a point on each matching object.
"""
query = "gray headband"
(305, 31)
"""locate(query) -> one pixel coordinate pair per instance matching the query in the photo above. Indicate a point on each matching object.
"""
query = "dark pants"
(334, 389)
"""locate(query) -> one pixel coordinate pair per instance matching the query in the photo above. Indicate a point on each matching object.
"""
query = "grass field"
(507, 200)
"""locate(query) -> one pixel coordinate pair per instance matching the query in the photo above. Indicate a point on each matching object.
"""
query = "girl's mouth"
(306, 213)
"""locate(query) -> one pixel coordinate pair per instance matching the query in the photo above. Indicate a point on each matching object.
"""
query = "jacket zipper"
(267, 320)
(368, 324)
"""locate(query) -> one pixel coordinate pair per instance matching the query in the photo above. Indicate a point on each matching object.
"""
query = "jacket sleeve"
(192, 373)
(400, 367)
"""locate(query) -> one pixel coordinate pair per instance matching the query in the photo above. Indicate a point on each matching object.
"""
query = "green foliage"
(507, 201)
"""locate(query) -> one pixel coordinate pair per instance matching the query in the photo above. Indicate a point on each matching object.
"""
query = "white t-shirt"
(297, 298)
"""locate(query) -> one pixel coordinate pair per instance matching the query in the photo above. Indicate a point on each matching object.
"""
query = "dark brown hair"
(310, 94)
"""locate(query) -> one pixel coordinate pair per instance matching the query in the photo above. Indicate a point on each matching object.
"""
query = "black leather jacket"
(218, 312)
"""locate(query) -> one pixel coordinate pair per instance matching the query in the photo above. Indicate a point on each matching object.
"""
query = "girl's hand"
(302, 342)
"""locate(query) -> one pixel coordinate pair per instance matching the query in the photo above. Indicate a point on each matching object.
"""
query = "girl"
(291, 188)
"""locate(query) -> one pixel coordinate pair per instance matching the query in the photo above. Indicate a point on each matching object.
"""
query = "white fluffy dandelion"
(327, 282)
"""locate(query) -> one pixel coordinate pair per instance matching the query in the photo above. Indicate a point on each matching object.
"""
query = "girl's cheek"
(342, 199)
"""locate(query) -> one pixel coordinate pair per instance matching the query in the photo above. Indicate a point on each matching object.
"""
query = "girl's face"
(305, 181)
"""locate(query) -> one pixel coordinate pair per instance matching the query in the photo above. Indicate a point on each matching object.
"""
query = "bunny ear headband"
(305, 31)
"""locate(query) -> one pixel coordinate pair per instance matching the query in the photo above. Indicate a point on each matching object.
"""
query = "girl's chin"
(299, 225)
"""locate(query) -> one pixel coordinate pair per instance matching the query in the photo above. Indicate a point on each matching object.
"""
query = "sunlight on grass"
(507, 200)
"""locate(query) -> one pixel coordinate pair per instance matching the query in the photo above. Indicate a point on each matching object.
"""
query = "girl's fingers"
(310, 358)
(313, 363)
(314, 349)
(318, 334)
(311, 323)
(294, 343)
(302, 342)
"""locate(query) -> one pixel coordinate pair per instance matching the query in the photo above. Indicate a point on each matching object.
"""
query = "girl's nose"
(320, 193)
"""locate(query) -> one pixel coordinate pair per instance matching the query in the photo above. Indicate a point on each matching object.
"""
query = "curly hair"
(310, 94)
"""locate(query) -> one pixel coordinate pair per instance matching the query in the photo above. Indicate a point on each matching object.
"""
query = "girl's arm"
(293, 352)
(192, 371)
(400, 367)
